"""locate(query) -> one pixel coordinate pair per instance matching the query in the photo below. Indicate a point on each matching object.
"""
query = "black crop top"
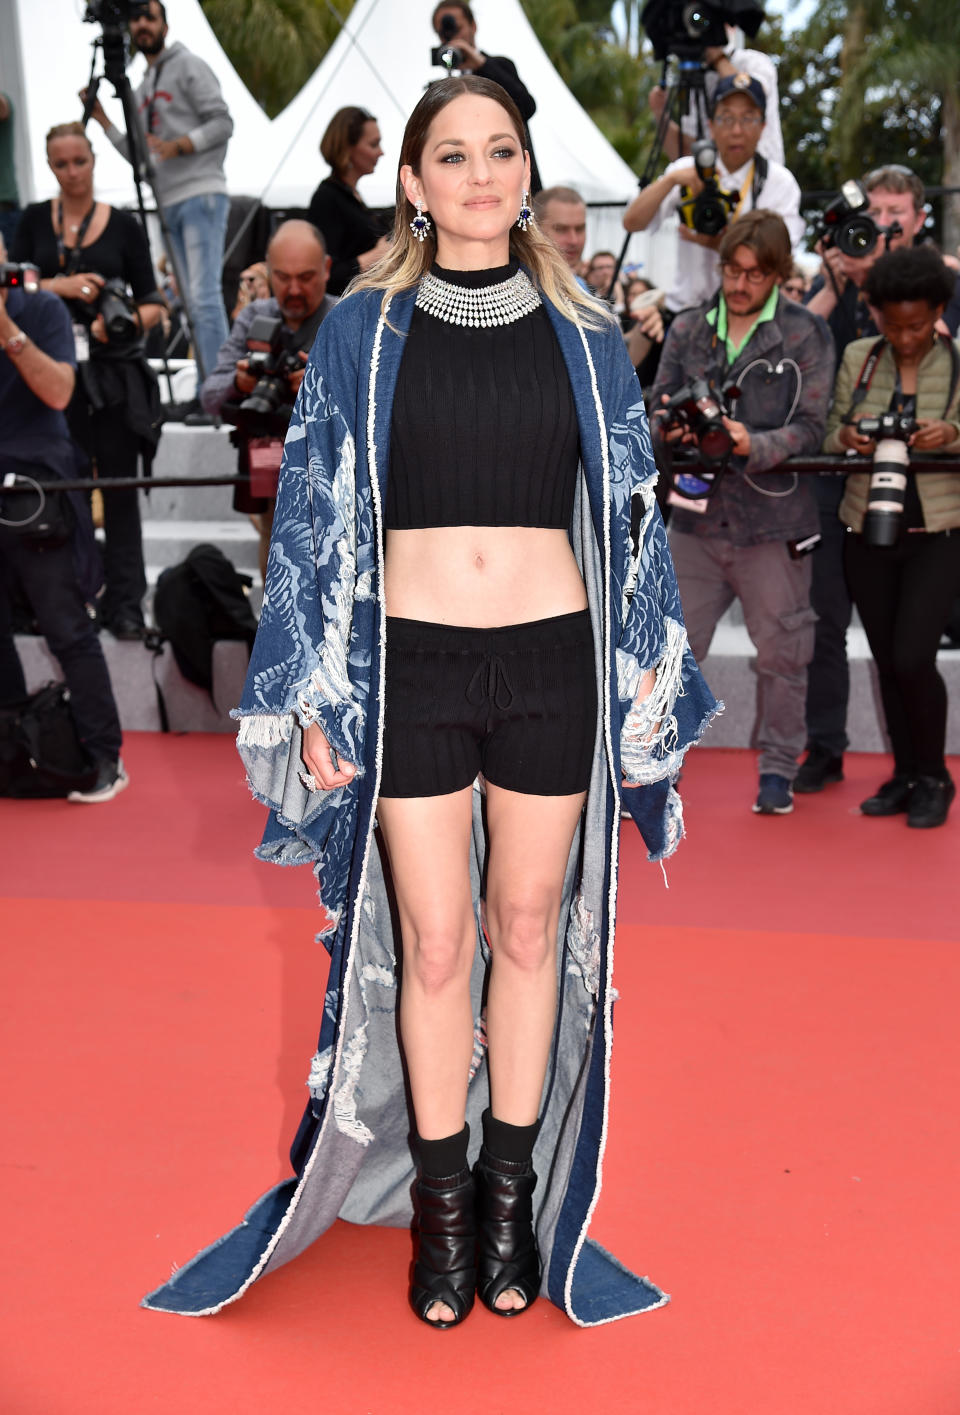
(484, 428)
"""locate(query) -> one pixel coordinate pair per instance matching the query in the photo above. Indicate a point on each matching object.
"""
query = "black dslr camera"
(19, 277)
(270, 362)
(888, 479)
(700, 410)
(446, 55)
(119, 311)
(709, 211)
(846, 223)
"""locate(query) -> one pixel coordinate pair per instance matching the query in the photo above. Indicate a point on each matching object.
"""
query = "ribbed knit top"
(484, 428)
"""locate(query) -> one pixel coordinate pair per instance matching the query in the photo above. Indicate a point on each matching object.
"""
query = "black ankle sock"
(441, 1158)
(513, 1143)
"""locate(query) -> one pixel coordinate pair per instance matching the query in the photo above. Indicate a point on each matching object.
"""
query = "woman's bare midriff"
(481, 577)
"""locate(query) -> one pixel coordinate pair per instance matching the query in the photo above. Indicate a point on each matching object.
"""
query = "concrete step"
(138, 674)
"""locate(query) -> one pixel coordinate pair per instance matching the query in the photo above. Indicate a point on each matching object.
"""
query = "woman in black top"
(81, 247)
(354, 235)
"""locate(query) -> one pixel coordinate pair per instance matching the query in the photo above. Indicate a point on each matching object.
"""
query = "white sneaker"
(111, 779)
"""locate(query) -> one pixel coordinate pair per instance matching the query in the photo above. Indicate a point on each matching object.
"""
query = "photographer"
(455, 27)
(896, 214)
(89, 254)
(748, 540)
(903, 556)
(722, 62)
(187, 126)
(298, 268)
(59, 576)
(748, 179)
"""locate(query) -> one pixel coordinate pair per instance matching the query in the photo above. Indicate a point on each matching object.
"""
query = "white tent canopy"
(381, 60)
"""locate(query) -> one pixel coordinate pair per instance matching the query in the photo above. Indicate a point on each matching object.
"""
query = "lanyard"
(69, 264)
(747, 185)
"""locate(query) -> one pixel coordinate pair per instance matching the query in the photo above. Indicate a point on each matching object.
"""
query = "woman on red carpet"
(462, 658)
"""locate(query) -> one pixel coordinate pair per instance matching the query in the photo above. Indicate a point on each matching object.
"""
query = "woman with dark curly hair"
(905, 579)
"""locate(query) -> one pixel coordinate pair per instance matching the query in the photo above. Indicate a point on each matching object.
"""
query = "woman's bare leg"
(428, 842)
(530, 838)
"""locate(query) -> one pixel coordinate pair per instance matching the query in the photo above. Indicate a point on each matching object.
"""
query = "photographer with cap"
(56, 568)
(747, 178)
(749, 538)
(298, 268)
(456, 28)
(896, 207)
(723, 62)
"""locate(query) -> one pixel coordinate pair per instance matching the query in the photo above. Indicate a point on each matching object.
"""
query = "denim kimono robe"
(319, 656)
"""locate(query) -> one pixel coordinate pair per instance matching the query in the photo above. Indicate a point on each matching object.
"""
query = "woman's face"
(71, 162)
(366, 152)
(908, 327)
(473, 173)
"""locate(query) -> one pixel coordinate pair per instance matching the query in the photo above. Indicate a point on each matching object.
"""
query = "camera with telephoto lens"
(686, 29)
(709, 211)
(846, 223)
(888, 480)
(270, 361)
(698, 409)
(446, 55)
(17, 276)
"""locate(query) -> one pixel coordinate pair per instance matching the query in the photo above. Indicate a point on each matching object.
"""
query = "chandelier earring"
(525, 219)
(420, 224)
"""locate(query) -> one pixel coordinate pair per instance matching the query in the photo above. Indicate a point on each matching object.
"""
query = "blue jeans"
(197, 230)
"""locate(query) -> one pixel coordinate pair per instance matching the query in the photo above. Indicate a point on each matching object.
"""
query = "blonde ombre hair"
(408, 259)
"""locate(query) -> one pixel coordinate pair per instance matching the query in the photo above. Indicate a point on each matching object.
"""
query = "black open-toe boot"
(445, 1269)
(507, 1256)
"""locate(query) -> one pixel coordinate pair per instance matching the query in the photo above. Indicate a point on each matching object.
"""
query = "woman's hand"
(99, 330)
(321, 761)
(932, 433)
(849, 437)
(85, 286)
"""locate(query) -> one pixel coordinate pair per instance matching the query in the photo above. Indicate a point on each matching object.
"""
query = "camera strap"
(69, 264)
(761, 168)
(869, 368)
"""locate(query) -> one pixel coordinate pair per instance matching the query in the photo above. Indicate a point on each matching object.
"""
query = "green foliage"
(274, 45)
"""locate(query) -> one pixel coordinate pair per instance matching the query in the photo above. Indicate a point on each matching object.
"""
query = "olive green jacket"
(939, 491)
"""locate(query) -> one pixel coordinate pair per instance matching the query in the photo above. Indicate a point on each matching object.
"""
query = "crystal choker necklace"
(504, 303)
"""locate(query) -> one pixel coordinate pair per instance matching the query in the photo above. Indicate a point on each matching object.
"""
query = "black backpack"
(40, 752)
(199, 601)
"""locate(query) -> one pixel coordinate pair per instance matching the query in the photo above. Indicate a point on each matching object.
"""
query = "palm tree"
(274, 45)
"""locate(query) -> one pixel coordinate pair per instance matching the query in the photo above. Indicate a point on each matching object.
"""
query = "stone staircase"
(177, 518)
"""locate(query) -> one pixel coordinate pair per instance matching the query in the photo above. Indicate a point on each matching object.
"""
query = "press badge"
(81, 343)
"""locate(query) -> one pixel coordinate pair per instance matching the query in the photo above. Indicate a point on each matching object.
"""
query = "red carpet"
(783, 1158)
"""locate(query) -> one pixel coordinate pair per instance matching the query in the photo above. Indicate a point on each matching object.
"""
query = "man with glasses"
(749, 539)
(897, 200)
(739, 111)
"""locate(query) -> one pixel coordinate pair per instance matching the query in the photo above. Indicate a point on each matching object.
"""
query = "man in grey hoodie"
(187, 126)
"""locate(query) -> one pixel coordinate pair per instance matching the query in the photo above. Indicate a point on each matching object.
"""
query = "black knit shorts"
(517, 703)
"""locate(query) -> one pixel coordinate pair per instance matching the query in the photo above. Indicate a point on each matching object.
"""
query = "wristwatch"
(15, 345)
